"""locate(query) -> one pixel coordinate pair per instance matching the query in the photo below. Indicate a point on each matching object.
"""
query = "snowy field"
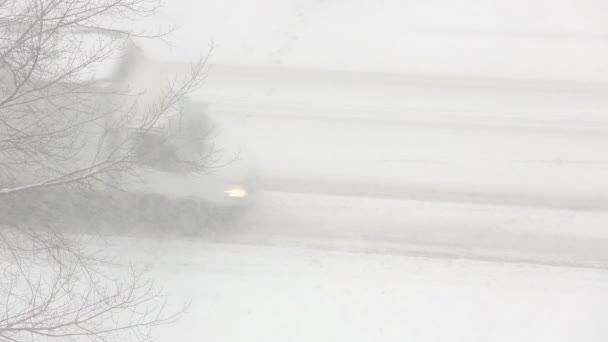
(435, 175)
(250, 292)
(383, 215)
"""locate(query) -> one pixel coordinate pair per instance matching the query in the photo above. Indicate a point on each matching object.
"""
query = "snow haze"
(309, 170)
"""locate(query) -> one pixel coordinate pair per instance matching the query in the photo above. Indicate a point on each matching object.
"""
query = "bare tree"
(49, 290)
(64, 120)
(61, 122)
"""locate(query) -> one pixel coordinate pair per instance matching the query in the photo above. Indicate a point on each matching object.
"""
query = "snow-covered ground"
(483, 168)
(250, 292)
(427, 171)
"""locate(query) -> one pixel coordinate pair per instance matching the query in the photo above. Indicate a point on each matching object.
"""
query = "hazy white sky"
(560, 39)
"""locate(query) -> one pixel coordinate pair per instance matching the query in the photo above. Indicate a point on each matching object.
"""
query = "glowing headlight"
(236, 192)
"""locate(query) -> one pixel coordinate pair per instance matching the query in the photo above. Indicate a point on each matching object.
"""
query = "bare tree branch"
(50, 290)
(60, 123)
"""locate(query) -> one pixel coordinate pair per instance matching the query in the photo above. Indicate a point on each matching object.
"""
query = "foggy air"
(304, 170)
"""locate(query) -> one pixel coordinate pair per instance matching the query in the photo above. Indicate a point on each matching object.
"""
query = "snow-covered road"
(534, 138)
(425, 227)
(390, 205)
(392, 208)
(486, 168)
